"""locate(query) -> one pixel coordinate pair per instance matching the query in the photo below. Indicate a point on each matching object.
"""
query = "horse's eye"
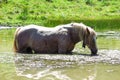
(94, 39)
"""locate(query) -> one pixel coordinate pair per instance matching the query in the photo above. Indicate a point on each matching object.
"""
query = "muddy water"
(79, 66)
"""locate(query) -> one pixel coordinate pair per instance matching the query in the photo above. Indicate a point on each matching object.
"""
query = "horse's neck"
(80, 34)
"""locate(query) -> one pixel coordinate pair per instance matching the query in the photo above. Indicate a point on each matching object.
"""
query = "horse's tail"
(15, 46)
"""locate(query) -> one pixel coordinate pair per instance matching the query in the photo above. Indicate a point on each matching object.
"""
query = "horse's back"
(40, 39)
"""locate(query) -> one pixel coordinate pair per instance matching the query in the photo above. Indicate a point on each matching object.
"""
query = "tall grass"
(101, 14)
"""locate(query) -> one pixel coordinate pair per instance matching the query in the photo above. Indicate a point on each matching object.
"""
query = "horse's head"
(88, 35)
(89, 40)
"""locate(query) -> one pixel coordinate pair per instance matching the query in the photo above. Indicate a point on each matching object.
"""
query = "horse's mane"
(82, 27)
(83, 30)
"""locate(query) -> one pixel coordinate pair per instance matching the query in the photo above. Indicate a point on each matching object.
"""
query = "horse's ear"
(87, 31)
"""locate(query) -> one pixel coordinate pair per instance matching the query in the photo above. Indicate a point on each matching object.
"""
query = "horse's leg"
(28, 50)
(71, 47)
(23, 49)
(21, 45)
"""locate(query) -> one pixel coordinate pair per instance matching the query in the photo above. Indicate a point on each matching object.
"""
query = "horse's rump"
(15, 47)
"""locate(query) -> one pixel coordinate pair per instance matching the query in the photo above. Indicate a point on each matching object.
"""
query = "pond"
(78, 66)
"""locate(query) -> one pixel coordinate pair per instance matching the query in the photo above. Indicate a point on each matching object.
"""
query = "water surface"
(78, 66)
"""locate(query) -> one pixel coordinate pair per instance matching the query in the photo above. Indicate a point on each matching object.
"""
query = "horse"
(60, 39)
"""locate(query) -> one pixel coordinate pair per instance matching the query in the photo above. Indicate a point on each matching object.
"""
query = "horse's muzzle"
(94, 52)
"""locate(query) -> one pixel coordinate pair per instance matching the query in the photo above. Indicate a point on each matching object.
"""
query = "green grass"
(100, 14)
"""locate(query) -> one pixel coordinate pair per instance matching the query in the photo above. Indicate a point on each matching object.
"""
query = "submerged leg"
(29, 50)
(24, 50)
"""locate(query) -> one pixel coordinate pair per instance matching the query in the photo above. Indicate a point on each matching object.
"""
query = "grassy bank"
(100, 14)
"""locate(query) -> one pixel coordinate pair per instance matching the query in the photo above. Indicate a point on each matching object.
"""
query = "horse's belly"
(47, 49)
(45, 46)
(52, 47)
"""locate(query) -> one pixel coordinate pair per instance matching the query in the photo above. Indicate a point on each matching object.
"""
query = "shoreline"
(6, 27)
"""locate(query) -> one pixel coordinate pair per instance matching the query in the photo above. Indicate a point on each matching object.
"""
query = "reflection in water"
(109, 34)
(44, 73)
(40, 66)
(61, 67)
(91, 77)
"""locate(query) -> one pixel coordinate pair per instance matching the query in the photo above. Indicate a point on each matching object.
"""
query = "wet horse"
(60, 39)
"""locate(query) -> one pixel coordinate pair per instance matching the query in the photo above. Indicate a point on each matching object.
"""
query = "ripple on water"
(109, 34)
(51, 66)
(6, 57)
(47, 63)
